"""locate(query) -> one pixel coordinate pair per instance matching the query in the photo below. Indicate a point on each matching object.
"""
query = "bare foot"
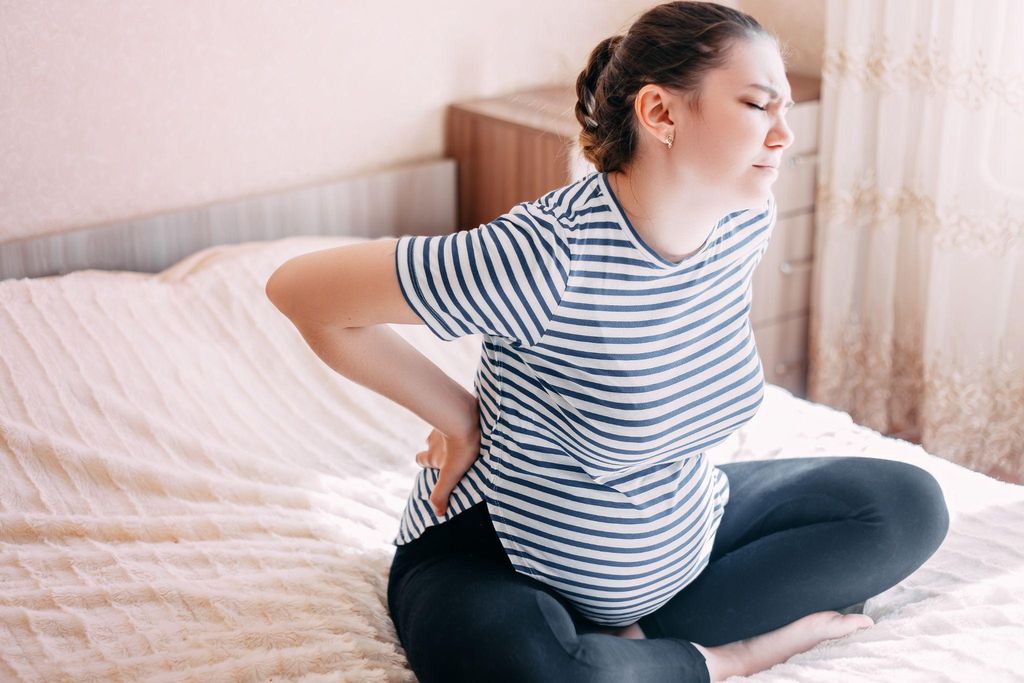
(747, 657)
(719, 662)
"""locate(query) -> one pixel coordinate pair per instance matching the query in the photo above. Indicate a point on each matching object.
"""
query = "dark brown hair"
(673, 45)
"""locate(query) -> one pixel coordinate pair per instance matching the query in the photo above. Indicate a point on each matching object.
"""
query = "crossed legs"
(798, 536)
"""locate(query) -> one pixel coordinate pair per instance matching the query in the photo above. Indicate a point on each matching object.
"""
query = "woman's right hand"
(453, 456)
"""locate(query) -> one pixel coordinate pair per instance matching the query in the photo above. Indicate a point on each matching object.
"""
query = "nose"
(780, 135)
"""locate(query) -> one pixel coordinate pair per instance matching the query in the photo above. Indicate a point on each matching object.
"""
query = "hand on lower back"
(453, 456)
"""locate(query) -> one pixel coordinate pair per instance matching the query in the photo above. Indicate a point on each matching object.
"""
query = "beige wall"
(800, 24)
(114, 110)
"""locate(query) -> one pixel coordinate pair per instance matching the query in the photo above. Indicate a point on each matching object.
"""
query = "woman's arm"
(340, 300)
(379, 359)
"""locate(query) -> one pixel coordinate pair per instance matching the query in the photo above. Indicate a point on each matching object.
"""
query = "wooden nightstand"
(517, 147)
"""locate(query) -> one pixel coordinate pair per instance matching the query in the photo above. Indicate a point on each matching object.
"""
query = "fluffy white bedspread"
(188, 493)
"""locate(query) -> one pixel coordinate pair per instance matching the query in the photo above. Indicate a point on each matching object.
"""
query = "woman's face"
(721, 148)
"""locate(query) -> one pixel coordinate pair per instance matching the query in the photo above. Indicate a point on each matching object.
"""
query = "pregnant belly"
(559, 526)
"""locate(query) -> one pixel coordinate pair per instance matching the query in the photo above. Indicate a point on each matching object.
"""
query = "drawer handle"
(805, 159)
(789, 267)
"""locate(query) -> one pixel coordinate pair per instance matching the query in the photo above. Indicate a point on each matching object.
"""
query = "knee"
(529, 638)
(918, 517)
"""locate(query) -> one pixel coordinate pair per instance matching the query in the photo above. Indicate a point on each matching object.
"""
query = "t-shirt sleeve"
(504, 278)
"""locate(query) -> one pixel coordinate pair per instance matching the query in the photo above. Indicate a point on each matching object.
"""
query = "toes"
(865, 620)
(856, 622)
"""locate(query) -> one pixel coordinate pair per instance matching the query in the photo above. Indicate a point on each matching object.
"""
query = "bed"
(188, 493)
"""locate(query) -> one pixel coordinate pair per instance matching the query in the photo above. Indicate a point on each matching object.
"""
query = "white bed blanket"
(188, 493)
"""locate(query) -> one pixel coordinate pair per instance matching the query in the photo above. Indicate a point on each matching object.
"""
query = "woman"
(567, 524)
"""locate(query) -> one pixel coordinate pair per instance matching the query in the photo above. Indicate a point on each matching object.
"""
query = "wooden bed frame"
(416, 199)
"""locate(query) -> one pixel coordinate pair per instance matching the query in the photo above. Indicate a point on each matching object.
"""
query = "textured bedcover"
(188, 493)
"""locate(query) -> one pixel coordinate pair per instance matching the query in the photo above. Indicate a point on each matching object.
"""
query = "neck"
(671, 216)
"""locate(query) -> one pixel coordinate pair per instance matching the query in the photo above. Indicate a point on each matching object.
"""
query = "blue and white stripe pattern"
(606, 372)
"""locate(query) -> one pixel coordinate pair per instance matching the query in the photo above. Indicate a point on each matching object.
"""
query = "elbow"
(276, 289)
(288, 289)
(301, 291)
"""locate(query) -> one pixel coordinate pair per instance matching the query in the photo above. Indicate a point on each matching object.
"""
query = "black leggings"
(798, 536)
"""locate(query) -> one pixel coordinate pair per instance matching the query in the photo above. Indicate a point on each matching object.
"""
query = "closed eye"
(751, 104)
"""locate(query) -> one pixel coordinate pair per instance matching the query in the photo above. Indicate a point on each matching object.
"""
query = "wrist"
(469, 426)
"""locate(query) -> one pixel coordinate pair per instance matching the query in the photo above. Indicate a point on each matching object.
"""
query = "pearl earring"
(669, 141)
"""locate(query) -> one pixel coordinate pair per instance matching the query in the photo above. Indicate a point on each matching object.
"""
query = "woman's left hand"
(453, 455)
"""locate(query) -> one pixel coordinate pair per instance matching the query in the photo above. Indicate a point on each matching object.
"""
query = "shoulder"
(555, 214)
(568, 200)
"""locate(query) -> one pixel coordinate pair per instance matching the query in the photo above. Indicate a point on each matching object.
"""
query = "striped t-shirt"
(606, 372)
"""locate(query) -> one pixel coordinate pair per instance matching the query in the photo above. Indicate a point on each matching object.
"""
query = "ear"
(654, 107)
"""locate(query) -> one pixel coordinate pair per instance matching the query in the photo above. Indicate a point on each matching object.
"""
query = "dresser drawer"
(782, 346)
(781, 284)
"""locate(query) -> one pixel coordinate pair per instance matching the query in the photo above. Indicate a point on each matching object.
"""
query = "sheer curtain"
(917, 303)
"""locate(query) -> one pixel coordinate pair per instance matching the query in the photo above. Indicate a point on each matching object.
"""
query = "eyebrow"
(771, 91)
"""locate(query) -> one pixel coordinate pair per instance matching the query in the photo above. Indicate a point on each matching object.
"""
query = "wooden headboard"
(418, 199)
